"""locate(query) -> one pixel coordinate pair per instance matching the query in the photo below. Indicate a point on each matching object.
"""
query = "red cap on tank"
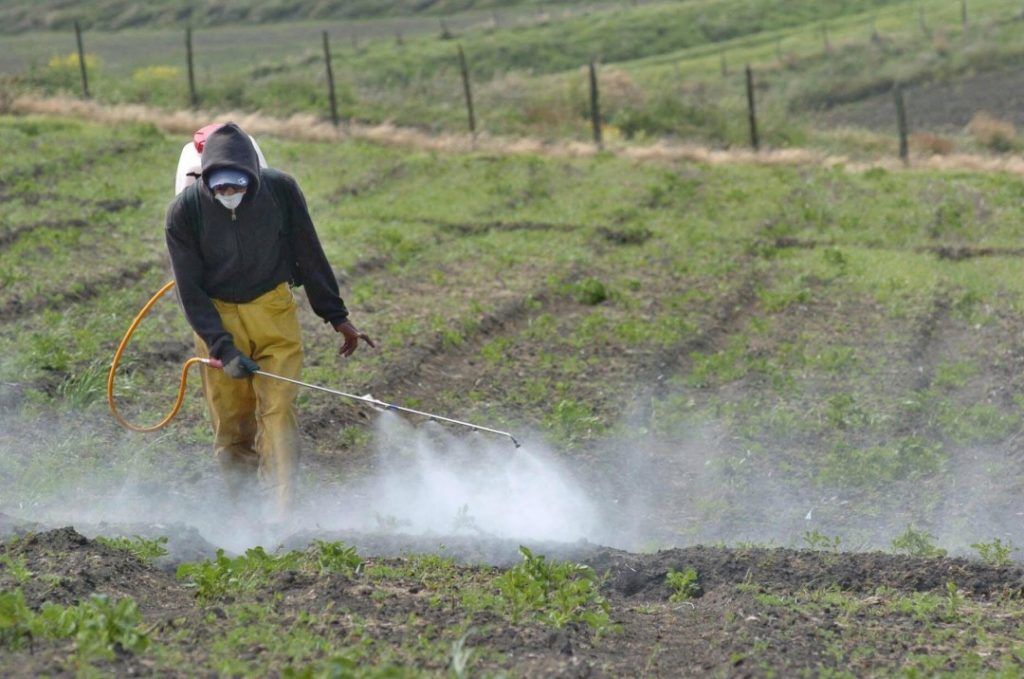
(200, 135)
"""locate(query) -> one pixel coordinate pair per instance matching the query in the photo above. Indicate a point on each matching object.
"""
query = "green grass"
(661, 73)
(602, 302)
(118, 14)
(144, 548)
(806, 356)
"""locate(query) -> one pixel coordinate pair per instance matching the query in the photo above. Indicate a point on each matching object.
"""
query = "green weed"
(83, 388)
(335, 557)
(16, 567)
(214, 578)
(953, 375)
(819, 542)
(572, 421)
(978, 423)
(954, 600)
(917, 543)
(100, 626)
(17, 621)
(551, 592)
(870, 467)
(222, 575)
(144, 548)
(590, 292)
(995, 553)
(461, 658)
(683, 584)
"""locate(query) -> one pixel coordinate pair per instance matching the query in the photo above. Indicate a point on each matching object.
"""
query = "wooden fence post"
(901, 123)
(81, 60)
(723, 64)
(330, 80)
(825, 40)
(595, 107)
(752, 111)
(963, 13)
(467, 89)
(193, 98)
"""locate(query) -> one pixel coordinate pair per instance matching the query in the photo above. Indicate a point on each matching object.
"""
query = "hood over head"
(229, 147)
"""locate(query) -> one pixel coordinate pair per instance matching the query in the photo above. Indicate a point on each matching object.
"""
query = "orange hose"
(117, 360)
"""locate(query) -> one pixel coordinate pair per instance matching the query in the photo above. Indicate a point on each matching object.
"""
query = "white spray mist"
(427, 480)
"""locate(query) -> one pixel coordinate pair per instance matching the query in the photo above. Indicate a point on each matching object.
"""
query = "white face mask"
(232, 201)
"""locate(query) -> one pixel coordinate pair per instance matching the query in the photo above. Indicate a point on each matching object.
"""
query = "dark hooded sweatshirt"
(238, 255)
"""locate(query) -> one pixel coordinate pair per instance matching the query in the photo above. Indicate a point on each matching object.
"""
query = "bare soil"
(941, 107)
(712, 633)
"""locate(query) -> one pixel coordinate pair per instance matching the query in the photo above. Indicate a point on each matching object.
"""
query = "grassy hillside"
(17, 16)
(661, 73)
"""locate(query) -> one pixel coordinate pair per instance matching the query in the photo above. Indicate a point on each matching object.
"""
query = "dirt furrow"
(729, 315)
(403, 375)
(9, 237)
(18, 307)
(956, 253)
(65, 166)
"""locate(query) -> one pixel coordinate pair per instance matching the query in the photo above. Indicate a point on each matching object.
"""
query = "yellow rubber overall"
(254, 425)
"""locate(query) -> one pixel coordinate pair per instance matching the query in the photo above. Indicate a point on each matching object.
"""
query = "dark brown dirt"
(956, 252)
(726, 630)
(941, 107)
(75, 567)
(14, 234)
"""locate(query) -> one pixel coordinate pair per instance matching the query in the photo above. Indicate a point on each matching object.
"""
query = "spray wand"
(390, 406)
(214, 363)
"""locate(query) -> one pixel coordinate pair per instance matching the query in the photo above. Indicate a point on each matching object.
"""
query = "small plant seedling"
(16, 620)
(223, 575)
(683, 584)
(100, 626)
(145, 549)
(953, 600)
(461, 658)
(995, 553)
(590, 292)
(554, 593)
(817, 541)
(16, 567)
(81, 389)
(917, 543)
(335, 557)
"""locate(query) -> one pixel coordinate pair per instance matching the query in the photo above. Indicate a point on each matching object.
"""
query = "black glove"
(240, 367)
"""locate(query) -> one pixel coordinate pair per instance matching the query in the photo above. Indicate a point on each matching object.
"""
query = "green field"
(791, 356)
(668, 69)
(852, 330)
(770, 404)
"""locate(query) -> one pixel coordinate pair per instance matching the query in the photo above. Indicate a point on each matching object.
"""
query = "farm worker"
(238, 239)
(190, 161)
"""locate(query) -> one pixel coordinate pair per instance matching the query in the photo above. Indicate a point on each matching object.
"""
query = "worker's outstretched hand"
(352, 337)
